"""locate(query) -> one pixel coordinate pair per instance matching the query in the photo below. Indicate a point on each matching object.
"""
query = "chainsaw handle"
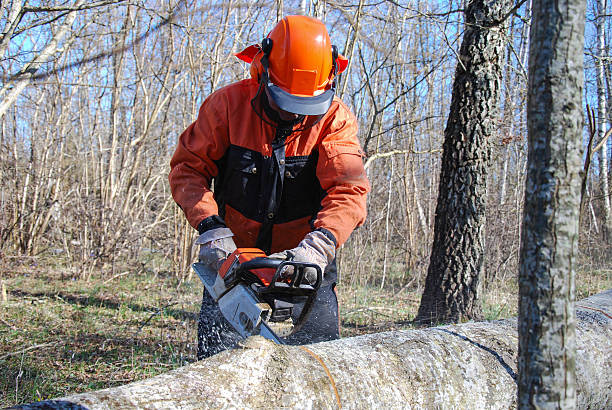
(298, 274)
(277, 265)
(261, 263)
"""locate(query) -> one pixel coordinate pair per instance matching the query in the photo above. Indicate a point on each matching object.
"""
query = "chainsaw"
(257, 294)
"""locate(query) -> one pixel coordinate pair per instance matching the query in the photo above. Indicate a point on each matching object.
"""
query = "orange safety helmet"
(297, 64)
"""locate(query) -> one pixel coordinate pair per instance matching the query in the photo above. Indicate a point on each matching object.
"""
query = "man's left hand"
(316, 248)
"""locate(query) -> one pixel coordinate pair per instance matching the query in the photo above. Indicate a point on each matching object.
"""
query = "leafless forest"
(95, 93)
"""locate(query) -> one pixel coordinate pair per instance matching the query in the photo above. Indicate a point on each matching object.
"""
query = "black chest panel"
(268, 189)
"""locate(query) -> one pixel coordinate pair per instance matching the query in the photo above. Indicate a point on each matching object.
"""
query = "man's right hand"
(215, 246)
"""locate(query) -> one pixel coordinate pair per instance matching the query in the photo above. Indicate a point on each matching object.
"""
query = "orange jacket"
(314, 180)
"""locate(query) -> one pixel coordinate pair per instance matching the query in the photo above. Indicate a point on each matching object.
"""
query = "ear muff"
(334, 72)
(266, 46)
(335, 58)
(339, 61)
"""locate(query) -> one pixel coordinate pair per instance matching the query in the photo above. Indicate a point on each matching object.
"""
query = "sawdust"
(215, 334)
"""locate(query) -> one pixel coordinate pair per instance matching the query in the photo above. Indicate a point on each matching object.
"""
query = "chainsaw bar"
(266, 332)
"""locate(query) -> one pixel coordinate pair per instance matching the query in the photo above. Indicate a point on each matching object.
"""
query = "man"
(283, 156)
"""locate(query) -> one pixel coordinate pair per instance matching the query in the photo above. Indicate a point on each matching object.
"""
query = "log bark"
(471, 365)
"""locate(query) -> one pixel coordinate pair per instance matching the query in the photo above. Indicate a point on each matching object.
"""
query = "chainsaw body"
(257, 294)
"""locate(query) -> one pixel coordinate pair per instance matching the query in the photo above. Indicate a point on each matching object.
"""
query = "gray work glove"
(215, 246)
(316, 247)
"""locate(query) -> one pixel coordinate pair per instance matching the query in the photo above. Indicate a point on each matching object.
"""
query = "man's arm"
(342, 175)
(192, 166)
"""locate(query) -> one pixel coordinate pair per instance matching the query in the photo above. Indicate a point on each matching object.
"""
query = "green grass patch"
(369, 309)
(61, 336)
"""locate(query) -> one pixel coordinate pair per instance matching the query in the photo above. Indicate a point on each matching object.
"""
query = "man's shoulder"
(339, 110)
(239, 87)
(231, 95)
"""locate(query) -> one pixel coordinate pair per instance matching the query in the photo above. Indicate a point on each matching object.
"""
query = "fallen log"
(471, 365)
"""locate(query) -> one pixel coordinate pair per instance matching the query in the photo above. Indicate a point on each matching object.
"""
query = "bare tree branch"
(76, 7)
(23, 78)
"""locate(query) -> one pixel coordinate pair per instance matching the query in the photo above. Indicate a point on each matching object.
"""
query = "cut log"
(471, 365)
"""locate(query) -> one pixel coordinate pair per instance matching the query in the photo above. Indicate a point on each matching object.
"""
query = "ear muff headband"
(266, 47)
(335, 60)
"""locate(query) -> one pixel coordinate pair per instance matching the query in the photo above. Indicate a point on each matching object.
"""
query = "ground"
(62, 334)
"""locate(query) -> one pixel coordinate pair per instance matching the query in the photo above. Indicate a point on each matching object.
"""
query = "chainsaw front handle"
(293, 282)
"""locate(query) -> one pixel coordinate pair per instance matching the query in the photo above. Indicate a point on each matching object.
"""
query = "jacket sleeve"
(342, 175)
(192, 166)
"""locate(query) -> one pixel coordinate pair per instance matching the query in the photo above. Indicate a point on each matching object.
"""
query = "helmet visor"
(317, 105)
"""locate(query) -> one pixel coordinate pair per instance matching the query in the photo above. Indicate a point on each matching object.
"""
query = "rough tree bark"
(472, 365)
(457, 259)
(547, 356)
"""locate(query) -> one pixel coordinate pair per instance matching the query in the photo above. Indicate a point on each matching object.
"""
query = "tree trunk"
(472, 365)
(547, 357)
(452, 286)
(602, 122)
